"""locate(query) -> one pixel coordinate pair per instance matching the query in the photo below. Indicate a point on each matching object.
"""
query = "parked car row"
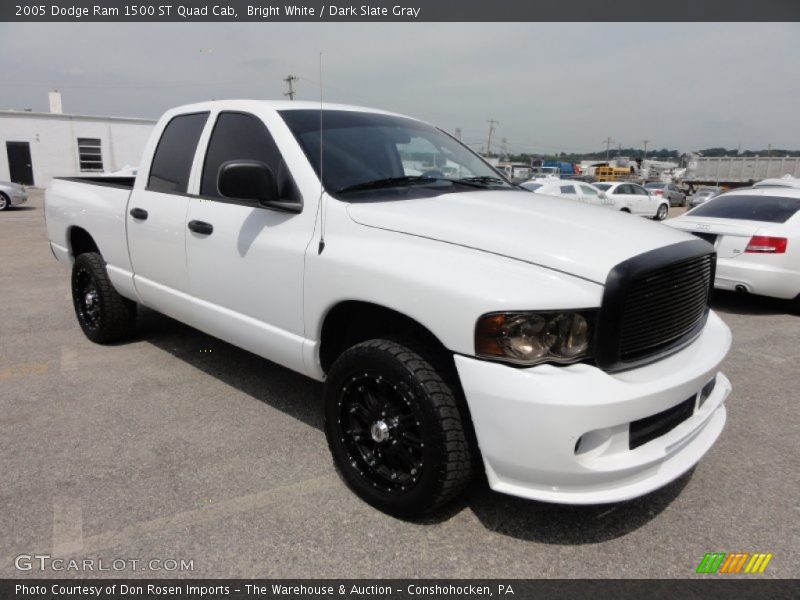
(755, 231)
(626, 197)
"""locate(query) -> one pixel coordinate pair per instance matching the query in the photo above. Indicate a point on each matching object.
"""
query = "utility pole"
(492, 124)
(609, 141)
(645, 149)
(289, 80)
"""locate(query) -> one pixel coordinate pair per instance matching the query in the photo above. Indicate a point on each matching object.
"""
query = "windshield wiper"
(386, 182)
(484, 179)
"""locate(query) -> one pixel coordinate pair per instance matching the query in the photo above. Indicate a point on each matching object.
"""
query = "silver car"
(704, 194)
(668, 191)
(11, 194)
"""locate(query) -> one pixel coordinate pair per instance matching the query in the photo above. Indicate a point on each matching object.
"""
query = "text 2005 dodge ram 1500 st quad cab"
(457, 321)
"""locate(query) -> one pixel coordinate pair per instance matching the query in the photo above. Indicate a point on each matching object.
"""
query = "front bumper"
(560, 434)
(17, 198)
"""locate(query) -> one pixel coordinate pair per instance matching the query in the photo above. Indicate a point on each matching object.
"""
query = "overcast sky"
(552, 87)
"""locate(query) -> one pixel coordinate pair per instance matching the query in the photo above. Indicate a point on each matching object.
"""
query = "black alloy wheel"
(380, 431)
(397, 426)
(104, 315)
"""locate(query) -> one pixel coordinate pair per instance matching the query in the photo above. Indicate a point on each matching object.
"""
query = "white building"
(40, 146)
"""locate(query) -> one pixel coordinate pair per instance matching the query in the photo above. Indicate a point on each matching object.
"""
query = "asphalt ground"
(177, 446)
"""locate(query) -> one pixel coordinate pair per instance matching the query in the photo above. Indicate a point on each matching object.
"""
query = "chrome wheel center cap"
(379, 431)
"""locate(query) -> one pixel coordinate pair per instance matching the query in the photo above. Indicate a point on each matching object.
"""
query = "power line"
(492, 124)
(290, 79)
(609, 141)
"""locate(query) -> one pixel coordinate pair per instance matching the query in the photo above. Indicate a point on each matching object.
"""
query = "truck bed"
(109, 180)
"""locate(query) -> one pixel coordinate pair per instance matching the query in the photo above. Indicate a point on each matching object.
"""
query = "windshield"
(772, 209)
(531, 186)
(368, 151)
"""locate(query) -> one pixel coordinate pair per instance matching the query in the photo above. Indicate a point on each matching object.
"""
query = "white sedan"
(636, 200)
(756, 232)
(574, 190)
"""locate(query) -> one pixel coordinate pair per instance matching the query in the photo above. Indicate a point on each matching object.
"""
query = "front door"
(246, 266)
(20, 167)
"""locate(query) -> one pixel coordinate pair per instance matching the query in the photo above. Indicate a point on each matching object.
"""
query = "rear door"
(156, 219)
(246, 271)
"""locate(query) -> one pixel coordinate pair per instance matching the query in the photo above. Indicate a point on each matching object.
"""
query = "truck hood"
(556, 233)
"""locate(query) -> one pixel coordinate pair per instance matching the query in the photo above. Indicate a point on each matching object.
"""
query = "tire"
(398, 435)
(104, 315)
(4, 202)
(662, 212)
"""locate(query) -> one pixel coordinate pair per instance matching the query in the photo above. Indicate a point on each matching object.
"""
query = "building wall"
(53, 142)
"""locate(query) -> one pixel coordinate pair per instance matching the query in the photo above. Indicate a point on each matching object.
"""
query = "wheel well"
(352, 322)
(81, 242)
(627, 210)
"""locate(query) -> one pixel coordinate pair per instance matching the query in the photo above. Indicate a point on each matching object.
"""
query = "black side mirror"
(252, 180)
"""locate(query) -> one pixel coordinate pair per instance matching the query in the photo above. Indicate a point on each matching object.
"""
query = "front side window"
(589, 191)
(363, 151)
(242, 136)
(90, 154)
(567, 189)
(172, 161)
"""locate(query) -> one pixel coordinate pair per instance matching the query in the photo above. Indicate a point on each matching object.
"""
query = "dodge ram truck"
(459, 324)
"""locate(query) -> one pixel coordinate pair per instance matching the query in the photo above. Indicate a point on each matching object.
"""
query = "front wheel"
(662, 212)
(395, 428)
(104, 315)
(4, 202)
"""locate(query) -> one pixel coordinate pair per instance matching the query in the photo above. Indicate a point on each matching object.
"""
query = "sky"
(553, 87)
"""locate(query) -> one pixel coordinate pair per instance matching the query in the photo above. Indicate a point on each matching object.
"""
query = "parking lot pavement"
(179, 446)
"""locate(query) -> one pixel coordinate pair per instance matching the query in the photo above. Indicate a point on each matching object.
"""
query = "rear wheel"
(104, 315)
(4, 201)
(662, 212)
(395, 428)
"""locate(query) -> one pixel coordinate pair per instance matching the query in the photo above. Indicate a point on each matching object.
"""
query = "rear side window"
(771, 209)
(242, 136)
(588, 190)
(172, 161)
(567, 189)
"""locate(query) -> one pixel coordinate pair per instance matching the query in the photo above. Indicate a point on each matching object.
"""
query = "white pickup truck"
(458, 323)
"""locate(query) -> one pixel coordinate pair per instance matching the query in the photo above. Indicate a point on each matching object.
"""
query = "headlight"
(529, 338)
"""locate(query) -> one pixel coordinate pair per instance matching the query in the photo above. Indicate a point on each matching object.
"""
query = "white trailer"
(734, 171)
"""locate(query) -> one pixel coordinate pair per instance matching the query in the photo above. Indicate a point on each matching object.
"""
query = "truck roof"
(277, 105)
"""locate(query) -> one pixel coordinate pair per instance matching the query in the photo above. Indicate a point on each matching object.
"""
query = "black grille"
(650, 428)
(653, 304)
(664, 305)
